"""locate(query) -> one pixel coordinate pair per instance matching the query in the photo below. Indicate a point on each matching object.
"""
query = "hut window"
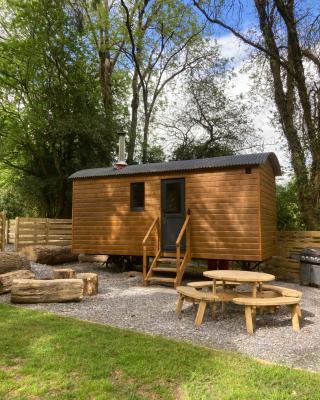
(137, 196)
(248, 170)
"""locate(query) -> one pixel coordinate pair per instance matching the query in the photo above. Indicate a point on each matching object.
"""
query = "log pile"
(46, 291)
(10, 261)
(90, 283)
(48, 254)
(64, 273)
(7, 279)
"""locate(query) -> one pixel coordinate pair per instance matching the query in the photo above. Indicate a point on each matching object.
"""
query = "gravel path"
(123, 302)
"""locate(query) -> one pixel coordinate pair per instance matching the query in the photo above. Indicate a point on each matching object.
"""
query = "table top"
(239, 276)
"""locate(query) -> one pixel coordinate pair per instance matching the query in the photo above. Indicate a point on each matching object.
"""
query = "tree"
(288, 38)
(288, 212)
(51, 118)
(161, 34)
(100, 19)
(209, 122)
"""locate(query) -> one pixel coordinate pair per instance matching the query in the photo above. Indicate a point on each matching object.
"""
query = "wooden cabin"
(214, 208)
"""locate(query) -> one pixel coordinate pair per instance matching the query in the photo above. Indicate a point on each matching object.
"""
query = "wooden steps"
(161, 279)
(166, 260)
(165, 269)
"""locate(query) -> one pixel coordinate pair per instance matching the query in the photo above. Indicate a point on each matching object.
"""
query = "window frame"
(132, 208)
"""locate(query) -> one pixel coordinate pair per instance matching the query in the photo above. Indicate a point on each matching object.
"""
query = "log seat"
(46, 291)
(251, 304)
(90, 283)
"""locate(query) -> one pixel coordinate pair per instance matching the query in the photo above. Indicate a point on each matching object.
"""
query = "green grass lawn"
(43, 356)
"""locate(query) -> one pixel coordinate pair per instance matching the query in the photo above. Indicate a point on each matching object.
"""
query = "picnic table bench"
(251, 304)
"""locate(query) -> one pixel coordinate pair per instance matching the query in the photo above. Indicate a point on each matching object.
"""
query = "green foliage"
(51, 117)
(44, 356)
(289, 215)
(200, 149)
(155, 154)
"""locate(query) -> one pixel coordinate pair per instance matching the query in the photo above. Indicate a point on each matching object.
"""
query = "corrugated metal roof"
(184, 165)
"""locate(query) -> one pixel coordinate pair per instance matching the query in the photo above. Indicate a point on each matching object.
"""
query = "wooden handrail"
(155, 223)
(149, 231)
(181, 265)
(183, 229)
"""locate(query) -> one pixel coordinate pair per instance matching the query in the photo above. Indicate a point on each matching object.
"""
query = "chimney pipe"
(121, 163)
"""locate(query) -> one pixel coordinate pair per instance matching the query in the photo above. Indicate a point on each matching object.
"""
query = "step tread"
(164, 269)
(160, 279)
(165, 260)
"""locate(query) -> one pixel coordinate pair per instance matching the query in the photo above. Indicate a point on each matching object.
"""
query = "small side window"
(137, 196)
(248, 170)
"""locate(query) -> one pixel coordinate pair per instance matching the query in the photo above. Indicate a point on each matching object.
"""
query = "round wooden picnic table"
(256, 278)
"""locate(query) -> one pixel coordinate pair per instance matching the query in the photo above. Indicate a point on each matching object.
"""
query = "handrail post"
(144, 264)
(155, 224)
(178, 256)
(159, 234)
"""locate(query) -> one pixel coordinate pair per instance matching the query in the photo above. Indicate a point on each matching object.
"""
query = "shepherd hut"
(215, 208)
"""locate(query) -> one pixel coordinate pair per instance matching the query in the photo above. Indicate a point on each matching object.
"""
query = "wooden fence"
(10, 229)
(2, 231)
(285, 264)
(29, 231)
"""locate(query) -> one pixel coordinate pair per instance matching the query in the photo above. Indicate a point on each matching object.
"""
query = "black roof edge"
(183, 165)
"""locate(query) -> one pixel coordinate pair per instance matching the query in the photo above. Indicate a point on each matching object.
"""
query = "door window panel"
(173, 198)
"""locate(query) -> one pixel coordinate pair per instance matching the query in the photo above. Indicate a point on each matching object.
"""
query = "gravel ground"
(123, 302)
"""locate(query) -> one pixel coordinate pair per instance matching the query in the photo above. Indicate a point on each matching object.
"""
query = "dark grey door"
(173, 212)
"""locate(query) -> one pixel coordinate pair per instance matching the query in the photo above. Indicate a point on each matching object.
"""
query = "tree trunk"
(12, 262)
(106, 88)
(46, 291)
(90, 283)
(145, 138)
(285, 82)
(64, 273)
(134, 117)
(7, 279)
(48, 254)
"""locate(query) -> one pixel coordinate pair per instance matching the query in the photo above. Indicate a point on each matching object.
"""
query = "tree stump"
(46, 291)
(7, 279)
(10, 261)
(48, 254)
(98, 258)
(64, 273)
(90, 283)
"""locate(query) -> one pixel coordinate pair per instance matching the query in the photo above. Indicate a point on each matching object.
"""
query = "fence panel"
(10, 231)
(31, 231)
(2, 231)
(285, 264)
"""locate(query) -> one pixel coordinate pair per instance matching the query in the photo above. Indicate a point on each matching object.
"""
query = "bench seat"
(251, 304)
(193, 295)
(283, 291)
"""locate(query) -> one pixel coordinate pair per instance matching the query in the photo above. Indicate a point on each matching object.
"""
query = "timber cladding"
(232, 213)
